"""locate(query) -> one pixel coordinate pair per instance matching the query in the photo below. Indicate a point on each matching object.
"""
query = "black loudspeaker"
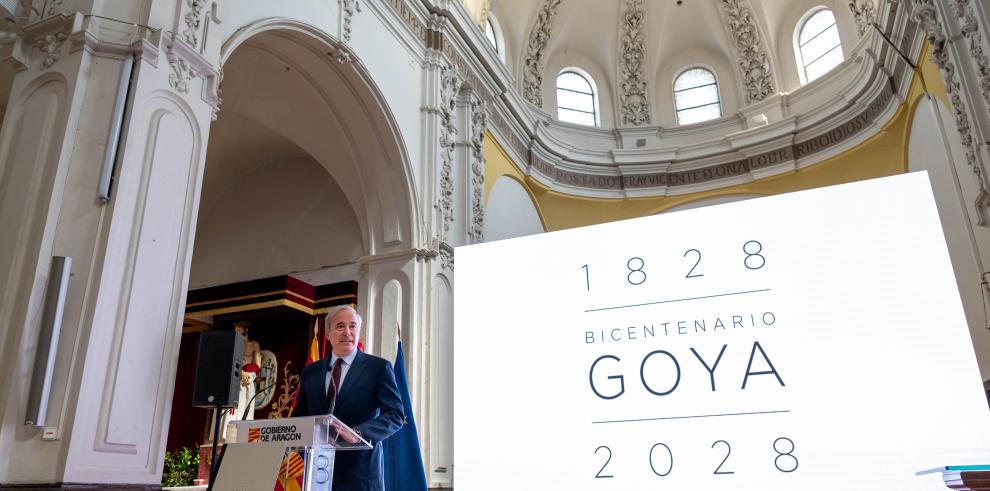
(218, 369)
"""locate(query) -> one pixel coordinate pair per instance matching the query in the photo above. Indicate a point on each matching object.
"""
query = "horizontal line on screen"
(690, 416)
(677, 300)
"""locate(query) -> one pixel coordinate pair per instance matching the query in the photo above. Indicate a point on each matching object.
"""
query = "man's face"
(344, 333)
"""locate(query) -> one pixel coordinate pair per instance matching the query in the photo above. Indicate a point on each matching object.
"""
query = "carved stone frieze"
(479, 123)
(194, 21)
(635, 104)
(970, 28)
(182, 72)
(450, 85)
(752, 56)
(539, 37)
(925, 13)
(408, 16)
(50, 45)
(863, 12)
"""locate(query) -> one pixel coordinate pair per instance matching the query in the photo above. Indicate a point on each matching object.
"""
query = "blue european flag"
(404, 469)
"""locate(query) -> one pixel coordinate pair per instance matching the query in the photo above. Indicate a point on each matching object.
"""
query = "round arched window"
(696, 96)
(576, 99)
(818, 45)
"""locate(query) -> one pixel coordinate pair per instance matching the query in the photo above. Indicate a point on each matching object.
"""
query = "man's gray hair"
(336, 310)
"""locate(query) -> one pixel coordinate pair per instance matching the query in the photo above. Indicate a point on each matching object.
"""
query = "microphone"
(251, 401)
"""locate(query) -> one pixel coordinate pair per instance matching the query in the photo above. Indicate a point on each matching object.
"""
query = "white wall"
(934, 146)
(288, 216)
(510, 212)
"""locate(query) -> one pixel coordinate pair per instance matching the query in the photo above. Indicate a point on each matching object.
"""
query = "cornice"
(49, 34)
(405, 21)
(92, 40)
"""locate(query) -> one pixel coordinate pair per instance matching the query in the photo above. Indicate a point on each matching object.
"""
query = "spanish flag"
(317, 349)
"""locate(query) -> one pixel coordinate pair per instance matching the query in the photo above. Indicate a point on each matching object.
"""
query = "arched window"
(493, 32)
(576, 98)
(818, 46)
(696, 96)
(490, 33)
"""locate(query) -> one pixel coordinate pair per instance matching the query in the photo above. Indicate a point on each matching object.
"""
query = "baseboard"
(72, 486)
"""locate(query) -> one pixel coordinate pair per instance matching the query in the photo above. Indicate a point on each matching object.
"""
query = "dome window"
(493, 33)
(696, 96)
(576, 99)
(490, 34)
(819, 48)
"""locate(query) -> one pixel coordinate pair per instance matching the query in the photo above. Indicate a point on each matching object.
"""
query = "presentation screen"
(813, 340)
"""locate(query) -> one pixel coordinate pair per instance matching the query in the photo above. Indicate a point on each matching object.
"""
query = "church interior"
(209, 164)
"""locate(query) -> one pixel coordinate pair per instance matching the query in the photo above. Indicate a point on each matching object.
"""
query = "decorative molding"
(347, 8)
(479, 124)
(194, 21)
(512, 139)
(464, 69)
(538, 39)
(863, 14)
(840, 114)
(36, 10)
(49, 44)
(632, 53)
(970, 27)
(926, 14)
(215, 99)
(182, 72)
(408, 16)
(671, 175)
(446, 253)
(450, 85)
(752, 56)
(486, 9)
(187, 63)
(53, 7)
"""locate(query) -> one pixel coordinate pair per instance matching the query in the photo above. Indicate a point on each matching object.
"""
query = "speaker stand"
(214, 465)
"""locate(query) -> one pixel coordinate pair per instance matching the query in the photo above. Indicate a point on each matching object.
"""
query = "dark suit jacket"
(369, 401)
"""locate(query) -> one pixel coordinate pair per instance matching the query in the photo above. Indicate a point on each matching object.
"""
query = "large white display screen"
(813, 340)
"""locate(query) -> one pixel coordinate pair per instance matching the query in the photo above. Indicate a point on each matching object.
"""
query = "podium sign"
(306, 446)
(802, 341)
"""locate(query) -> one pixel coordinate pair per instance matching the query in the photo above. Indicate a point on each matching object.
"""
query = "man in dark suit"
(366, 399)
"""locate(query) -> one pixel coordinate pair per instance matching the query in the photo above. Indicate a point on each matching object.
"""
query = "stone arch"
(373, 169)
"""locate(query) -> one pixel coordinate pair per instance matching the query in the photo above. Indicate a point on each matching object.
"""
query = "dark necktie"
(335, 384)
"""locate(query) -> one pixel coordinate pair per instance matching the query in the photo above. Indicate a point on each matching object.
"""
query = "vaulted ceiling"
(676, 34)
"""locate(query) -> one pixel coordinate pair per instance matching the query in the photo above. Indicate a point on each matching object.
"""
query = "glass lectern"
(308, 445)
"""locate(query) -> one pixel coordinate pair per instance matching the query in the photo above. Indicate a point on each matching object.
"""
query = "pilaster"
(115, 363)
